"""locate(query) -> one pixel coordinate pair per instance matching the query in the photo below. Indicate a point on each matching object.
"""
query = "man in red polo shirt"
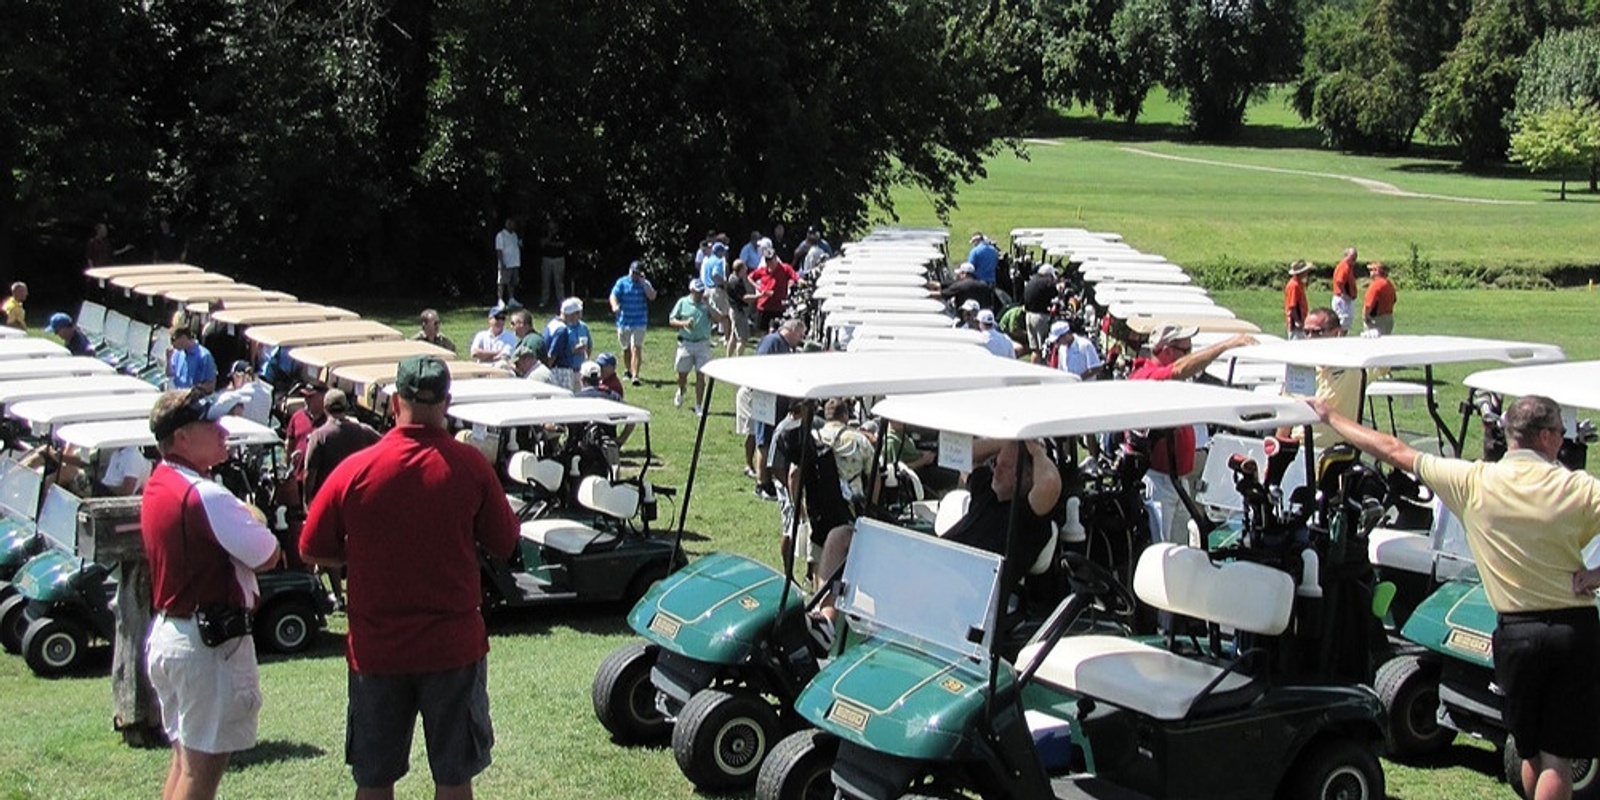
(1172, 358)
(1378, 307)
(405, 517)
(1344, 289)
(1295, 304)
(205, 547)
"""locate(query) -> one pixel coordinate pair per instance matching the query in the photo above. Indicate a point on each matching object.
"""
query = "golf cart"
(725, 648)
(1441, 680)
(20, 490)
(923, 704)
(103, 275)
(585, 529)
(368, 384)
(236, 317)
(317, 362)
(53, 368)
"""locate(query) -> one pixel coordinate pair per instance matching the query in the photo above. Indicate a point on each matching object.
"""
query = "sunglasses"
(1317, 333)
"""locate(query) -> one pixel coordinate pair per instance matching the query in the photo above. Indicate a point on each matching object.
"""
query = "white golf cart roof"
(11, 333)
(848, 277)
(855, 302)
(362, 376)
(1145, 325)
(280, 314)
(910, 345)
(226, 293)
(42, 415)
(1034, 412)
(136, 433)
(820, 376)
(1398, 351)
(892, 332)
(851, 289)
(552, 411)
(1136, 288)
(82, 385)
(879, 265)
(127, 283)
(1207, 309)
(102, 275)
(150, 291)
(492, 390)
(53, 368)
(1100, 276)
(317, 359)
(31, 347)
(904, 319)
(1573, 384)
(312, 333)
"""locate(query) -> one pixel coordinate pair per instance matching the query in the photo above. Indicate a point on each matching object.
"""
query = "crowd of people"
(1377, 304)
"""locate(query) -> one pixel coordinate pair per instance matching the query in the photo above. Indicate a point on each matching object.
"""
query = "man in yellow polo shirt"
(1527, 519)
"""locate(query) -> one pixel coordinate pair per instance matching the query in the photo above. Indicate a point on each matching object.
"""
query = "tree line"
(376, 145)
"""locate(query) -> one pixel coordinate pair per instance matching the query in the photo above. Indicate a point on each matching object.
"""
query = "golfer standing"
(405, 517)
(508, 262)
(205, 547)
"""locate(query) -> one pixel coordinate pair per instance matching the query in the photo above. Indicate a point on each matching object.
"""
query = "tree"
(1559, 139)
(1562, 69)
(1225, 53)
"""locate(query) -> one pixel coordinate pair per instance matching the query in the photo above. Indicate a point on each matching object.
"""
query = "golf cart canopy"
(1144, 325)
(850, 277)
(30, 347)
(84, 385)
(838, 289)
(1573, 384)
(492, 390)
(280, 314)
(553, 411)
(1049, 411)
(312, 333)
(1138, 290)
(318, 360)
(53, 368)
(150, 291)
(1207, 309)
(128, 283)
(226, 293)
(362, 381)
(887, 333)
(11, 333)
(1398, 351)
(44, 415)
(136, 433)
(1099, 276)
(102, 275)
(904, 319)
(819, 376)
(854, 302)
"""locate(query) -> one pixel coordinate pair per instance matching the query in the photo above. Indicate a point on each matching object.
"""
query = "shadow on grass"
(599, 619)
(1267, 137)
(326, 644)
(274, 751)
(1484, 760)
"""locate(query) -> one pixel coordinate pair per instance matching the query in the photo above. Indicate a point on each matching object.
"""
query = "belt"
(1554, 615)
(692, 341)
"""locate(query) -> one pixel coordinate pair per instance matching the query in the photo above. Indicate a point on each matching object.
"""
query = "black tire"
(1585, 783)
(722, 737)
(286, 626)
(1409, 689)
(1335, 769)
(625, 699)
(799, 768)
(13, 623)
(54, 646)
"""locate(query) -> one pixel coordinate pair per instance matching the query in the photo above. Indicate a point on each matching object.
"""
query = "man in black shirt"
(993, 487)
(967, 287)
(1037, 296)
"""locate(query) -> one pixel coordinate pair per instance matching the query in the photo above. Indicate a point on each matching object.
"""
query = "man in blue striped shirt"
(630, 302)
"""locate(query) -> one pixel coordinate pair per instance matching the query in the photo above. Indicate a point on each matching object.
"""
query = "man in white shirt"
(255, 396)
(126, 472)
(495, 342)
(508, 255)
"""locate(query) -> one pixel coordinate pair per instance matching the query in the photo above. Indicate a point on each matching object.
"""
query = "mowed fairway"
(55, 736)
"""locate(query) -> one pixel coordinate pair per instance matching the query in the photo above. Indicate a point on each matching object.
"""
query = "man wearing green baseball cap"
(405, 517)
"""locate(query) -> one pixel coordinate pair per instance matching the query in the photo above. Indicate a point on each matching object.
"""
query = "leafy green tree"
(1225, 53)
(1562, 69)
(1561, 139)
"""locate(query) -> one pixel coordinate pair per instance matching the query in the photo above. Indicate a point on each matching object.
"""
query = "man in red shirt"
(406, 517)
(1294, 299)
(772, 279)
(1344, 289)
(1378, 308)
(1172, 358)
(205, 547)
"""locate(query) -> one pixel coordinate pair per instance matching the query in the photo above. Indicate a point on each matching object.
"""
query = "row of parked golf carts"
(1327, 612)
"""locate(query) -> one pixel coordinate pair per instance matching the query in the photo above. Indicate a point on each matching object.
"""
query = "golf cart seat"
(1159, 683)
(526, 468)
(575, 537)
(949, 510)
(1408, 551)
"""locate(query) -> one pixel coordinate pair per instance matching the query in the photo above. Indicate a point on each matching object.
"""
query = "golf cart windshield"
(58, 518)
(946, 596)
(19, 490)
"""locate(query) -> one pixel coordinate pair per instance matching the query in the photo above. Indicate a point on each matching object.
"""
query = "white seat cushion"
(618, 502)
(564, 535)
(1234, 594)
(1409, 551)
(952, 507)
(526, 468)
(1129, 674)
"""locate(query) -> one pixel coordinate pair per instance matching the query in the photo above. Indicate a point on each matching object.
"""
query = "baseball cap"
(1045, 269)
(985, 317)
(166, 419)
(965, 268)
(311, 388)
(970, 305)
(1059, 328)
(976, 237)
(58, 321)
(589, 369)
(241, 366)
(1169, 332)
(697, 285)
(337, 401)
(606, 360)
(497, 312)
(636, 266)
(719, 247)
(422, 379)
(571, 305)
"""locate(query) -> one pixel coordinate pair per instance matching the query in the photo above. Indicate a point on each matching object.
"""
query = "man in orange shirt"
(1295, 305)
(1344, 289)
(1378, 307)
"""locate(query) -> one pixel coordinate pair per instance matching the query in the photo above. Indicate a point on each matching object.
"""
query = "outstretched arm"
(1381, 446)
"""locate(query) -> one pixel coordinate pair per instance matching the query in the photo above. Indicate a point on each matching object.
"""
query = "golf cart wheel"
(722, 737)
(287, 626)
(625, 699)
(1336, 769)
(799, 768)
(1585, 784)
(13, 623)
(53, 646)
(1409, 690)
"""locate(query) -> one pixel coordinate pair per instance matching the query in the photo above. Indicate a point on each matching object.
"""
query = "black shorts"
(1545, 663)
(455, 724)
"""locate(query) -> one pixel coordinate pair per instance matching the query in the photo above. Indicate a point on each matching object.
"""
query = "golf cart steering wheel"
(1094, 580)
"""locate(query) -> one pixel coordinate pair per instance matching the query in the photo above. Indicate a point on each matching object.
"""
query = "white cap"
(965, 268)
(590, 369)
(986, 317)
(571, 305)
(1058, 329)
(970, 305)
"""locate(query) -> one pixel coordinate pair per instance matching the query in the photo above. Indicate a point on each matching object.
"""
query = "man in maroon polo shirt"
(205, 547)
(405, 517)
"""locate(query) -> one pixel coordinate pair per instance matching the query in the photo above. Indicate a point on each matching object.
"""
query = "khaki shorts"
(741, 413)
(692, 355)
(717, 300)
(210, 696)
(630, 337)
(507, 276)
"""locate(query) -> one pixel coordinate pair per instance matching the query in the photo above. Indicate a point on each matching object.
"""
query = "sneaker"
(750, 473)
(627, 375)
(636, 380)
(821, 630)
(677, 399)
(766, 493)
(698, 412)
